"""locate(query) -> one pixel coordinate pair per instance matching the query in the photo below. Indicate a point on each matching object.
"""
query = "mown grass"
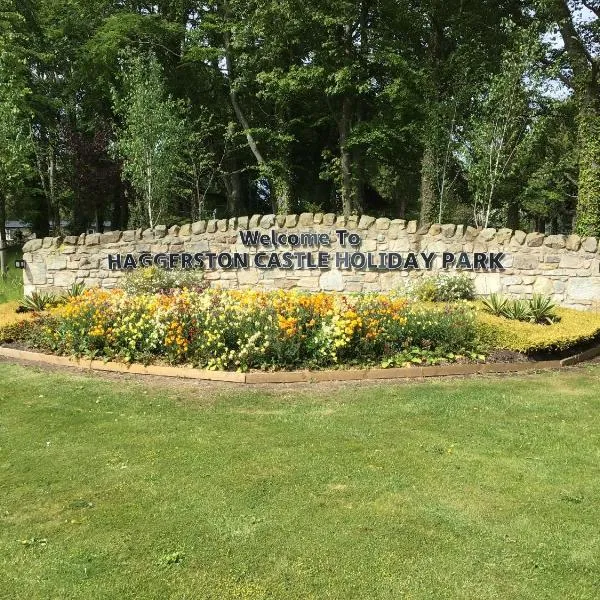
(481, 488)
(11, 282)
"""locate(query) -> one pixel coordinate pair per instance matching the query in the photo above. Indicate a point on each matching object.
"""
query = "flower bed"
(242, 330)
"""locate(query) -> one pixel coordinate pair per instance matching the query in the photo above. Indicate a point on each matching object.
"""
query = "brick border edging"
(299, 376)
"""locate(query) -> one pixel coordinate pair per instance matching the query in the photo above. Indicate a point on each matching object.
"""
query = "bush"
(39, 302)
(573, 328)
(236, 329)
(540, 309)
(153, 280)
(444, 288)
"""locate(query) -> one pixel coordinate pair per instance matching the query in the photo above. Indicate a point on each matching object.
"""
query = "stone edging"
(299, 376)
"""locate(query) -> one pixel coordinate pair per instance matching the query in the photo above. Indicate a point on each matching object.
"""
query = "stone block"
(534, 240)
(331, 281)
(518, 239)
(254, 221)
(160, 231)
(487, 234)
(365, 222)
(93, 239)
(71, 240)
(64, 279)
(222, 225)
(56, 263)
(352, 222)
(291, 221)
(35, 273)
(148, 234)
(382, 224)
(267, 221)
(242, 223)
(411, 227)
(435, 230)
(328, 219)
(306, 219)
(318, 218)
(280, 220)
(48, 242)
(211, 226)
(503, 235)
(487, 283)
(581, 289)
(128, 236)
(448, 230)
(174, 231)
(589, 244)
(543, 285)
(32, 245)
(556, 242)
(232, 224)
(525, 262)
(571, 261)
(471, 233)
(573, 243)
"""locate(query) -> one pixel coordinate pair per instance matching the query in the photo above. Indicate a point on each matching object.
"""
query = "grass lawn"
(11, 283)
(482, 488)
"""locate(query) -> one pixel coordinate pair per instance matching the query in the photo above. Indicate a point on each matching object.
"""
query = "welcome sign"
(292, 251)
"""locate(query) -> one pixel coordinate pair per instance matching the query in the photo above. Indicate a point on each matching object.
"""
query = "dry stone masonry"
(564, 267)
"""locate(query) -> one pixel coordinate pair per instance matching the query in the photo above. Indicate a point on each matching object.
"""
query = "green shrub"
(572, 328)
(39, 301)
(152, 280)
(444, 288)
(540, 309)
(24, 330)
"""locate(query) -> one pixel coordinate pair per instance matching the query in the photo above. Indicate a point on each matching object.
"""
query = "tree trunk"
(345, 157)
(3, 255)
(428, 197)
(512, 216)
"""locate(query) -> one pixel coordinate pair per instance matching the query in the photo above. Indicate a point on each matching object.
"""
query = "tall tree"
(577, 63)
(15, 145)
(151, 139)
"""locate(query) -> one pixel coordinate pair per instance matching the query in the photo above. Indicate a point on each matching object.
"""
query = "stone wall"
(565, 267)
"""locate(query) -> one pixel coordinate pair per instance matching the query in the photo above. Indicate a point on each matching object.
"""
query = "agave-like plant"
(517, 310)
(75, 290)
(495, 304)
(38, 302)
(541, 309)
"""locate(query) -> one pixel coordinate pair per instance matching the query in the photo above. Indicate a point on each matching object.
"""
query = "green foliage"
(152, 138)
(444, 288)
(154, 280)
(588, 205)
(540, 309)
(75, 290)
(20, 330)
(40, 301)
(572, 328)
(498, 129)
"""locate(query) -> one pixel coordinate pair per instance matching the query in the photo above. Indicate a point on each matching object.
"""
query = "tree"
(15, 145)
(577, 64)
(498, 128)
(151, 139)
